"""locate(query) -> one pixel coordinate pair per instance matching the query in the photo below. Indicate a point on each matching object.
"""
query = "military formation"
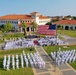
(22, 60)
(62, 57)
(18, 43)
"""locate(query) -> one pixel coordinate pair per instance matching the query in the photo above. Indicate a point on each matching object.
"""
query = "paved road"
(51, 67)
(70, 40)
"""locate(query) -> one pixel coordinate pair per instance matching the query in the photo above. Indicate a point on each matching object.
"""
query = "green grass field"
(60, 37)
(0, 32)
(20, 71)
(48, 49)
(71, 33)
(1, 41)
(11, 35)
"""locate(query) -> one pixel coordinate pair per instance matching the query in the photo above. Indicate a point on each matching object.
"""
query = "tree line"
(7, 27)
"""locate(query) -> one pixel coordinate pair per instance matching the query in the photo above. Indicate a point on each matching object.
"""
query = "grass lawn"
(1, 41)
(20, 71)
(42, 35)
(71, 33)
(48, 49)
(60, 37)
(0, 32)
(73, 65)
(11, 35)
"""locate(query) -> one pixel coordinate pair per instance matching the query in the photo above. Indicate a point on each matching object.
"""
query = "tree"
(7, 27)
(48, 23)
(24, 26)
(1, 27)
(55, 20)
(59, 26)
(34, 25)
(74, 18)
(68, 16)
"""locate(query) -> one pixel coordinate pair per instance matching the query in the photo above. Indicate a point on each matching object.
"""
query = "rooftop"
(21, 16)
(66, 22)
(16, 17)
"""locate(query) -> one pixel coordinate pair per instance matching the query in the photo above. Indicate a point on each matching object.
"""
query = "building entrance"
(66, 27)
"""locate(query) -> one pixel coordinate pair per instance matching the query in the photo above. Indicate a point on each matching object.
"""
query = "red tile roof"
(15, 17)
(43, 17)
(70, 22)
(22, 16)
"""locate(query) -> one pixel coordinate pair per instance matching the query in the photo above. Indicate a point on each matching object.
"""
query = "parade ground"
(38, 39)
(44, 52)
(51, 68)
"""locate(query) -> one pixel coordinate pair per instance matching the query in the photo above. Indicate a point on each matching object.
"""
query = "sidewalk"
(51, 67)
(70, 40)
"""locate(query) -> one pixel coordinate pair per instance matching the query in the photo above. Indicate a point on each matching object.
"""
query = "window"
(11, 21)
(75, 27)
(15, 22)
(22, 21)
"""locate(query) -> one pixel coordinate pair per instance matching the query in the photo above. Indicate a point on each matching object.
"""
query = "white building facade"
(16, 19)
(67, 24)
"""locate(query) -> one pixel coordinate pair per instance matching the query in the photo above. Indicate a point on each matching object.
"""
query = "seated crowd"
(50, 41)
(18, 43)
(25, 43)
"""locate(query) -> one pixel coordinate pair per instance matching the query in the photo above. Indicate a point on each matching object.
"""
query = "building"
(68, 17)
(17, 19)
(67, 24)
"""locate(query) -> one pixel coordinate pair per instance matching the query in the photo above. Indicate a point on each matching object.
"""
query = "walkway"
(49, 70)
(51, 67)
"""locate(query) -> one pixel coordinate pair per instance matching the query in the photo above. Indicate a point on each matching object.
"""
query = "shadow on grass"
(1, 64)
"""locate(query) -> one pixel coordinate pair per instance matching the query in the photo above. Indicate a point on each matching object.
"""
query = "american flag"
(47, 30)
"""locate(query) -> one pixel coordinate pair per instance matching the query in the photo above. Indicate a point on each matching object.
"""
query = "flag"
(52, 27)
(47, 30)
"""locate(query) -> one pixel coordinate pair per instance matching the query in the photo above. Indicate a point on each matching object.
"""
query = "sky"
(45, 7)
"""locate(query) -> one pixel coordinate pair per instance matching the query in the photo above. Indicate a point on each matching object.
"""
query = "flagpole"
(55, 47)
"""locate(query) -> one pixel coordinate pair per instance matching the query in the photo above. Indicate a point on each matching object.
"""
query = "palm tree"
(24, 26)
(34, 25)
